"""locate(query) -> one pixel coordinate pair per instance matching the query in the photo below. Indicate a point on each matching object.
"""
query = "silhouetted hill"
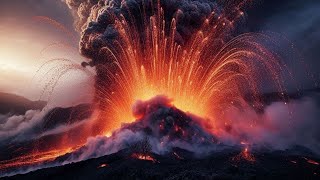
(69, 115)
(14, 104)
(54, 118)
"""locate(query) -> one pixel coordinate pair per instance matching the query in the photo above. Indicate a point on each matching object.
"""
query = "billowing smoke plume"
(85, 11)
(96, 18)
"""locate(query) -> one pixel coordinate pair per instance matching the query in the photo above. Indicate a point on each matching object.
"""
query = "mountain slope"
(18, 105)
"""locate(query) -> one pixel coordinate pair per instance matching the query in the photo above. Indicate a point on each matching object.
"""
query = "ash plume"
(96, 19)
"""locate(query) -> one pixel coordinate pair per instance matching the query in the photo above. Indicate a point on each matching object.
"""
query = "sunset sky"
(27, 42)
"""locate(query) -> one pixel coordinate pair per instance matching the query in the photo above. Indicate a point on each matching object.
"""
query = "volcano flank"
(165, 142)
(160, 123)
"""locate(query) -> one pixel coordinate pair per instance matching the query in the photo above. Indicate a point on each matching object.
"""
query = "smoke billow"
(281, 126)
(20, 126)
(85, 11)
(96, 19)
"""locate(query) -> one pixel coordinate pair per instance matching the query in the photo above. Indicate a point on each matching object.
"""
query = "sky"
(27, 41)
(298, 21)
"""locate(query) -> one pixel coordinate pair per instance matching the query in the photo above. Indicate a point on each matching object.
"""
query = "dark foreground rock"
(179, 165)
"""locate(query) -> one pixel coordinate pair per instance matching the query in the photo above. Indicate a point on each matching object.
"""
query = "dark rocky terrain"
(181, 165)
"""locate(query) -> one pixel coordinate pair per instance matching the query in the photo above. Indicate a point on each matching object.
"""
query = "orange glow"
(313, 162)
(310, 161)
(201, 76)
(144, 157)
(244, 155)
(34, 158)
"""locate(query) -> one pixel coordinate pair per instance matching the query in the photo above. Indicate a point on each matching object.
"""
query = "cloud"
(282, 125)
(15, 10)
(21, 127)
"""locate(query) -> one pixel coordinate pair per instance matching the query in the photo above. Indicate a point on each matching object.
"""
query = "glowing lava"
(33, 159)
(244, 155)
(103, 165)
(310, 161)
(144, 157)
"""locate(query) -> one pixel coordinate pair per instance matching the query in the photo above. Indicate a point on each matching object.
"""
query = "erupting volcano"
(181, 50)
(174, 81)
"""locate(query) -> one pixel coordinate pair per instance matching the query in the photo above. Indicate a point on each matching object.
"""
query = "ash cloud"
(96, 19)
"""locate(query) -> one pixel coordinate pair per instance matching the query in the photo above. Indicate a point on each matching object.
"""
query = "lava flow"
(144, 157)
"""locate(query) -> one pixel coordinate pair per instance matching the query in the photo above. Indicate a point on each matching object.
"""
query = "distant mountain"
(69, 115)
(54, 118)
(17, 105)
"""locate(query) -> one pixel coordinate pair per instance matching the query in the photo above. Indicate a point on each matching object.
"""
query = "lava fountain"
(141, 51)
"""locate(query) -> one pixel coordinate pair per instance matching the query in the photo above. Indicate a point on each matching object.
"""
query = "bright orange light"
(201, 77)
(34, 158)
(144, 157)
